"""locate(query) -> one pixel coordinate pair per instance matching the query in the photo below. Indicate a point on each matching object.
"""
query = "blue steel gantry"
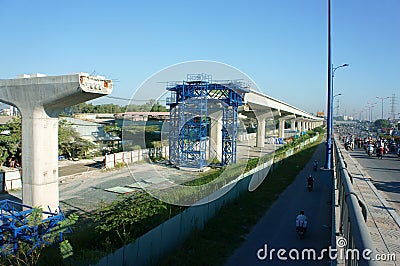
(190, 104)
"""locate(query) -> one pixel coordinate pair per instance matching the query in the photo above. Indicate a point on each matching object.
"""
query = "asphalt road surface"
(385, 174)
(277, 228)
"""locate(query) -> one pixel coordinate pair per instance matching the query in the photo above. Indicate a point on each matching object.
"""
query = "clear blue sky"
(281, 45)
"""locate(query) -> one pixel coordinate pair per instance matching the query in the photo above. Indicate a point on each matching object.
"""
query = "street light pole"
(328, 162)
(371, 105)
(331, 70)
(334, 96)
(330, 94)
(382, 98)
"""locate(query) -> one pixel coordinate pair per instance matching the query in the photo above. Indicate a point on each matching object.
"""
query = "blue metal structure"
(17, 226)
(190, 103)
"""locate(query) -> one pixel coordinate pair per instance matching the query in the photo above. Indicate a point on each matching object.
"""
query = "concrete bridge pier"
(301, 125)
(281, 128)
(216, 135)
(293, 124)
(260, 137)
(40, 100)
(39, 158)
(261, 124)
(282, 120)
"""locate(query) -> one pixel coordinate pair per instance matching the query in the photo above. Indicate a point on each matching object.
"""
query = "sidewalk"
(277, 228)
(383, 222)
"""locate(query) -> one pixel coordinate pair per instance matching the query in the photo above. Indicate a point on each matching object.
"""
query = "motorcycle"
(310, 183)
(379, 152)
(370, 150)
(347, 146)
(301, 231)
(315, 166)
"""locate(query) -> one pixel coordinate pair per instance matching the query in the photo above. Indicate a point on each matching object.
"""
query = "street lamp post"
(328, 161)
(334, 96)
(382, 98)
(371, 105)
(331, 70)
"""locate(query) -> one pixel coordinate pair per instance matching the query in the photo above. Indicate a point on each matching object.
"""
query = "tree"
(10, 141)
(70, 143)
(382, 123)
(90, 108)
(150, 106)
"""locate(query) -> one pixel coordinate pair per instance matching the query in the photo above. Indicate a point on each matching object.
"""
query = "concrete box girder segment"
(40, 100)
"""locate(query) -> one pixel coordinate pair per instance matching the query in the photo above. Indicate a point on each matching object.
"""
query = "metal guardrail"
(349, 230)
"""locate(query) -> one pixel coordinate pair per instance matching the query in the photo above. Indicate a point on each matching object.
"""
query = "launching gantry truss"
(191, 104)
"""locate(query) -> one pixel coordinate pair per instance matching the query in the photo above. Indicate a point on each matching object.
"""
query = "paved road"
(277, 227)
(67, 167)
(385, 174)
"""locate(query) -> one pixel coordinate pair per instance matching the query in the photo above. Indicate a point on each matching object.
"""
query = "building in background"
(93, 132)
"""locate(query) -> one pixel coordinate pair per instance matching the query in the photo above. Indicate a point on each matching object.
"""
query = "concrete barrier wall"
(129, 157)
(153, 245)
(10, 179)
(248, 136)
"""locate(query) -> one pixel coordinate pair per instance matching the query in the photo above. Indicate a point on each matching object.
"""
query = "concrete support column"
(293, 124)
(260, 140)
(300, 125)
(216, 136)
(40, 159)
(281, 130)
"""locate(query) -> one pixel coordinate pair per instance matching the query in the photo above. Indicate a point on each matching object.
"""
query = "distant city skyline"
(281, 45)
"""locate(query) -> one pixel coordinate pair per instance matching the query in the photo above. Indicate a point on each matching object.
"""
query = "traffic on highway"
(378, 152)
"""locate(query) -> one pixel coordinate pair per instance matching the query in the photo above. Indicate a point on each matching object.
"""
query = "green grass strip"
(227, 230)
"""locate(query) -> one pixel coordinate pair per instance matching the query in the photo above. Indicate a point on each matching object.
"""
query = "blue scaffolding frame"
(17, 226)
(189, 122)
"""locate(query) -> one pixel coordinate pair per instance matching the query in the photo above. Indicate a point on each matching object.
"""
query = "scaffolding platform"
(190, 105)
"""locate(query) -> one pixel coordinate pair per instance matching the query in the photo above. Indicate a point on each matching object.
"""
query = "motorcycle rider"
(315, 165)
(370, 148)
(301, 222)
(310, 182)
(380, 149)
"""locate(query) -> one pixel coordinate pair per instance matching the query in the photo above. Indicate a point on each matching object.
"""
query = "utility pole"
(382, 98)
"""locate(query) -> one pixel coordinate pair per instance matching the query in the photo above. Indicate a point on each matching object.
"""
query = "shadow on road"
(5, 195)
(393, 187)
